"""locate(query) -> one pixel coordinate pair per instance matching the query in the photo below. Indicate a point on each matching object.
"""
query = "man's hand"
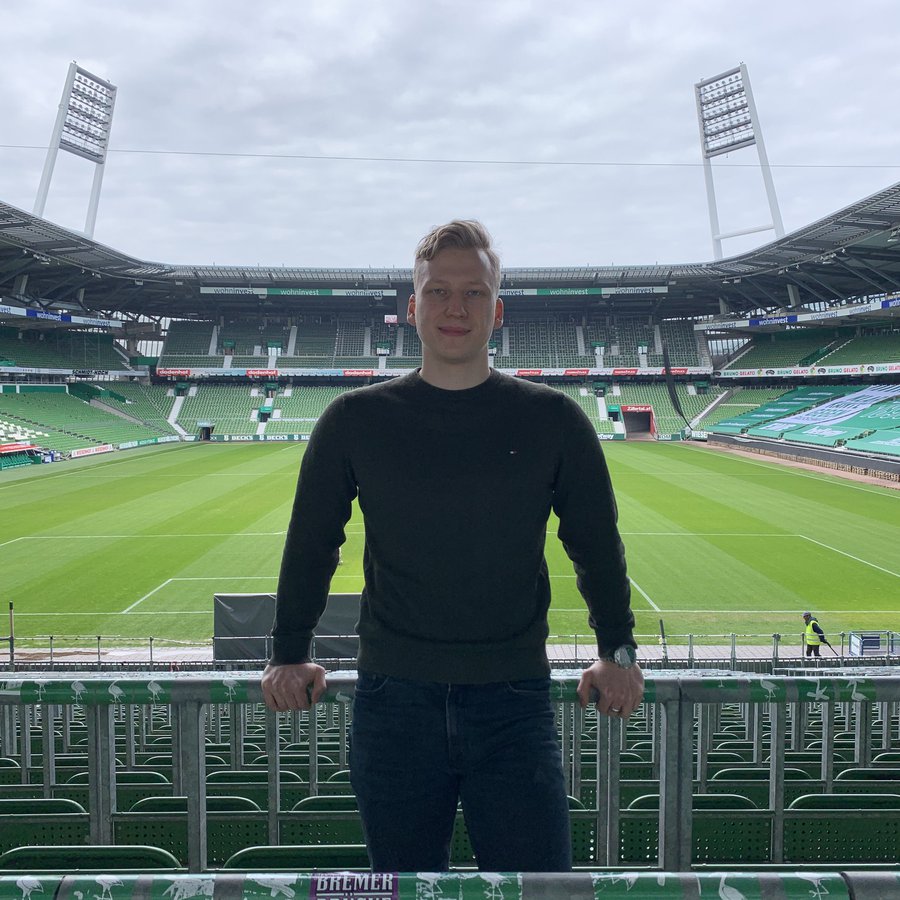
(293, 686)
(620, 690)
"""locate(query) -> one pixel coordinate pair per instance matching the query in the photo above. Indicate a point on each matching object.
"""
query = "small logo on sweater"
(513, 452)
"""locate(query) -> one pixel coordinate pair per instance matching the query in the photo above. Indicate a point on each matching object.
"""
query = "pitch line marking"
(124, 537)
(188, 612)
(169, 581)
(14, 540)
(159, 587)
(645, 595)
(865, 562)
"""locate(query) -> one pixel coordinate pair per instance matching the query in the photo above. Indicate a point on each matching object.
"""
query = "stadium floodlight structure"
(82, 127)
(728, 121)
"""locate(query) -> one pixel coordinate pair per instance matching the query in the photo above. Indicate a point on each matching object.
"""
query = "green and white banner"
(583, 292)
(299, 292)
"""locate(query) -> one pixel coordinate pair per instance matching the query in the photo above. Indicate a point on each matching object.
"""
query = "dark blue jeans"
(419, 748)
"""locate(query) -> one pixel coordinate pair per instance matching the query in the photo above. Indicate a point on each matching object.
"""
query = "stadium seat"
(82, 857)
(846, 801)
(299, 858)
(699, 801)
(214, 803)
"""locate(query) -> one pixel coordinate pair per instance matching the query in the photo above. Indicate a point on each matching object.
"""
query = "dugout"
(242, 626)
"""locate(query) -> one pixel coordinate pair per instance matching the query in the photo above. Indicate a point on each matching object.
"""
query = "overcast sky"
(516, 91)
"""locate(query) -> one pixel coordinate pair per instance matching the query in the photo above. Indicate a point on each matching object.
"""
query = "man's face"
(455, 307)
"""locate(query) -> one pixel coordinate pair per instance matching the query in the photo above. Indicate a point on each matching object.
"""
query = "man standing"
(457, 469)
(813, 636)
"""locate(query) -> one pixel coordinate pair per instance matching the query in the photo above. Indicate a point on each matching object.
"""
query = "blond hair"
(462, 234)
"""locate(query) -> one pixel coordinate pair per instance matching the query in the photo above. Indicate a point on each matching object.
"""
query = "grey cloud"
(464, 80)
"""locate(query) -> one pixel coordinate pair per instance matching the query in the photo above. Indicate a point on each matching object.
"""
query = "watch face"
(625, 656)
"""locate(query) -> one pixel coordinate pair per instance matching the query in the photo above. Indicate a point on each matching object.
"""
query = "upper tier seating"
(60, 349)
(251, 339)
(188, 338)
(866, 348)
(789, 348)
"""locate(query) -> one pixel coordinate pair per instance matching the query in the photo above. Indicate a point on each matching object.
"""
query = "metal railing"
(672, 705)
(747, 652)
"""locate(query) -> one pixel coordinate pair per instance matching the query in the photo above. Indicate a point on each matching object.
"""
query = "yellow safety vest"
(812, 636)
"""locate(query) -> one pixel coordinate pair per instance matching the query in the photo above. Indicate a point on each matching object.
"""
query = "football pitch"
(136, 544)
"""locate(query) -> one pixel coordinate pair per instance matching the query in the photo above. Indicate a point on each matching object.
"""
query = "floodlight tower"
(728, 121)
(82, 127)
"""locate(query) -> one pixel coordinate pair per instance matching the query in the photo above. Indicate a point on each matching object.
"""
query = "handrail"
(344, 885)
(674, 698)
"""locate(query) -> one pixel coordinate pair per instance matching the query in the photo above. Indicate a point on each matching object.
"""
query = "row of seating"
(59, 349)
(816, 829)
(546, 340)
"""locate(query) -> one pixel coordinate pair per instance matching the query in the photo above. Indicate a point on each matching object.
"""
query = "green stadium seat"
(869, 773)
(846, 801)
(238, 776)
(333, 802)
(150, 777)
(81, 857)
(752, 774)
(699, 801)
(214, 803)
(38, 806)
(299, 857)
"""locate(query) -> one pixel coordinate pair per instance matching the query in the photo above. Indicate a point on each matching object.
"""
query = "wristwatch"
(624, 656)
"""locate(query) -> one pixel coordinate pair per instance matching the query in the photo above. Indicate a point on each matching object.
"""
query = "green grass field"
(135, 544)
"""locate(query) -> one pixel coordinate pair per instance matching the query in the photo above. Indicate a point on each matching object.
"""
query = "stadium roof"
(853, 253)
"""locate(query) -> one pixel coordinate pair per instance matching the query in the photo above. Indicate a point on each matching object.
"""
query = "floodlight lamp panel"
(88, 119)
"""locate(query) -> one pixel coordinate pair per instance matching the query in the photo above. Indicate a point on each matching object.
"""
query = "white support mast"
(82, 127)
(728, 121)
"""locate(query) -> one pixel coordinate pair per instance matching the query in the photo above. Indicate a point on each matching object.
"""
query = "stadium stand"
(188, 338)
(250, 339)
(871, 347)
(151, 403)
(191, 344)
(791, 348)
(350, 340)
(60, 349)
(311, 344)
(59, 421)
(588, 402)
(736, 403)
(681, 343)
(656, 395)
(230, 409)
(789, 403)
(297, 411)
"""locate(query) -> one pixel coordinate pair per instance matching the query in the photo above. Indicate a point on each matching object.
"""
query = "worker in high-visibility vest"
(813, 636)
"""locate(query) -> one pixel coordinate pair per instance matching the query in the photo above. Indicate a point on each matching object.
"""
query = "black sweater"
(455, 488)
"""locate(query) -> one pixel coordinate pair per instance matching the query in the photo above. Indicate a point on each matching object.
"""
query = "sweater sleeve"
(584, 502)
(322, 506)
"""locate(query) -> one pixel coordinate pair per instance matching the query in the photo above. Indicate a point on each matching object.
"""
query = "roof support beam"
(893, 282)
(855, 271)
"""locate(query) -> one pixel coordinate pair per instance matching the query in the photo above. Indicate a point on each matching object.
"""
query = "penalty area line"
(644, 594)
(159, 587)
